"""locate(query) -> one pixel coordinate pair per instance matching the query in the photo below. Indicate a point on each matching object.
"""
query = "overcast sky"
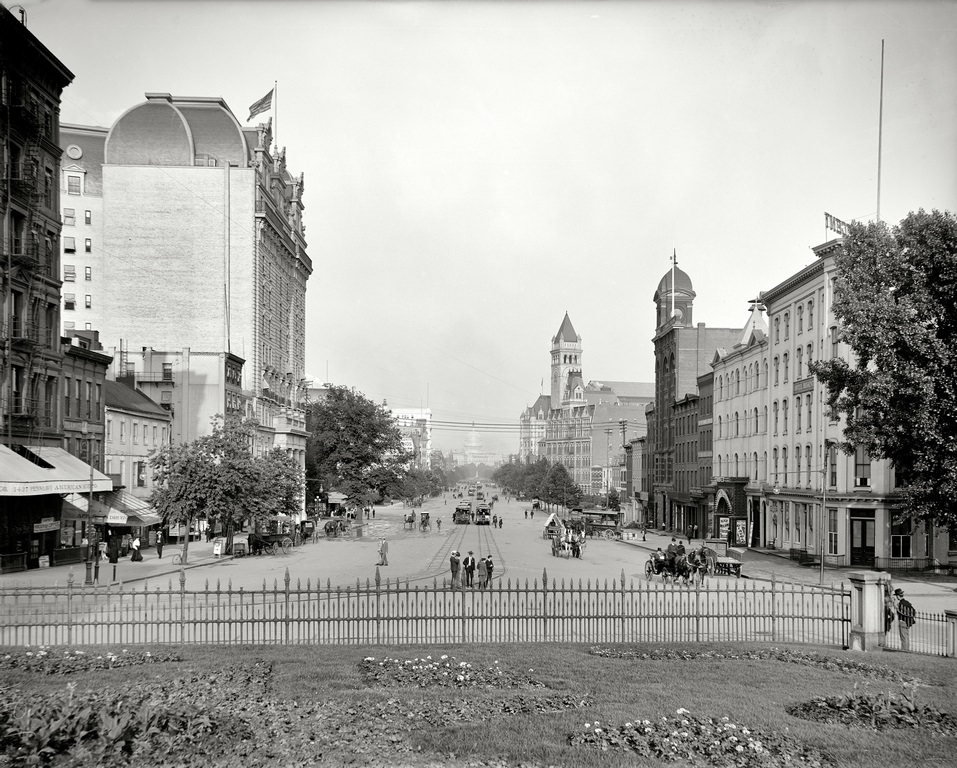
(473, 170)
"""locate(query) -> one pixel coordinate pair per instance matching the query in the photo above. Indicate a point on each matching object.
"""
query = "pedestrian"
(695, 528)
(373, 511)
(137, 556)
(454, 563)
(490, 567)
(500, 522)
(890, 610)
(482, 573)
(906, 616)
(159, 545)
(526, 513)
(438, 523)
(468, 564)
(690, 534)
(383, 551)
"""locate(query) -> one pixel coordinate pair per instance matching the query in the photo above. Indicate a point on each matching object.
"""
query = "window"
(810, 314)
(139, 470)
(807, 465)
(109, 429)
(774, 458)
(799, 363)
(154, 435)
(69, 301)
(87, 217)
(831, 465)
(88, 245)
(831, 531)
(167, 371)
(736, 431)
(777, 330)
(69, 217)
(777, 370)
(784, 364)
(122, 430)
(88, 273)
(136, 433)
(88, 301)
(787, 325)
(808, 411)
(797, 413)
(784, 406)
(901, 535)
(73, 185)
(797, 465)
(48, 187)
(774, 410)
(89, 399)
(69, 273)
(66, 397)
(68, 325)
(800, 319)
(833, 341)
(69, 245)
(862, 468)
(755, 421)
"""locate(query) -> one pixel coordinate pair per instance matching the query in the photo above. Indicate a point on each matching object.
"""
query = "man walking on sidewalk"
(159, 545)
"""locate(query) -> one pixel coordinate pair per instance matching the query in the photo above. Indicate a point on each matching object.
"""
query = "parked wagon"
(270, 543)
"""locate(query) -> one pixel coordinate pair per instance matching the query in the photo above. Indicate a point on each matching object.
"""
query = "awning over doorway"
(38, 470)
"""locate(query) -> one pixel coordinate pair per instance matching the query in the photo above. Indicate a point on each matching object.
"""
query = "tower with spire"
(566, 363)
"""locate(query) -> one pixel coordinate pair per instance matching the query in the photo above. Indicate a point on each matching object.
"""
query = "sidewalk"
(127, 572)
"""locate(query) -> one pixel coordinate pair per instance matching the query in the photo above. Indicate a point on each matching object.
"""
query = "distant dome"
(682, 282)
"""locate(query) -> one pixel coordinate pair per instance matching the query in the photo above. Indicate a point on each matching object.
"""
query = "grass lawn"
(495, 706)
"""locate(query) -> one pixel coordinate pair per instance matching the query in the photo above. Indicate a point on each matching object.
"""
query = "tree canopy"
(896, 299)
(354, 447)
(218, 478)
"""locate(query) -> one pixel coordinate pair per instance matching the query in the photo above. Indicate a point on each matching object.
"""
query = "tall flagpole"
(275, 113)
(880, 135)
(674, 260)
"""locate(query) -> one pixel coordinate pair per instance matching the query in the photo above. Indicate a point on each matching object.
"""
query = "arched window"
(736, 424)
(784, 463)
(797, 413)
(800, 319)
(787, 325)
(807, 463)
(719, 427)
(720, 388)
(765, 371)
(757, 376)
(809, 357)
(784, 405)
(737, 469)
(810, 313)
(784, 364)
(719, 465)
(756, 430)
(774, 458)
(777, 330)
(777, 370)
(774, 409)
(737, 381)
(799, 363)
(797, 463)
(807, 402)
(754, 466)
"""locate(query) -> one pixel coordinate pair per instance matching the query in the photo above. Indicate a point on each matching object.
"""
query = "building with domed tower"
(194, 246)
(683, 352)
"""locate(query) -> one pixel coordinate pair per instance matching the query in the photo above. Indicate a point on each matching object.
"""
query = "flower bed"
(699, 741)
(805, 658)
(65, 661)
(878, 711)
(445, 671)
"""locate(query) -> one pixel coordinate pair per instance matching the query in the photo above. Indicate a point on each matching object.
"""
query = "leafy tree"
(614, 503)
(895, 297)
(216, 477)
(559, 488)
(354, 446)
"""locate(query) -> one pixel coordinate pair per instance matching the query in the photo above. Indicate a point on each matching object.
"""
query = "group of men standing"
(465, 568)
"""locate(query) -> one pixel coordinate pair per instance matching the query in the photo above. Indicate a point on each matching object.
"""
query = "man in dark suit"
(469, 565)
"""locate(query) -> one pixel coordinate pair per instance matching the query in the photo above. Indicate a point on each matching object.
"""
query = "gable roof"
(126, 398)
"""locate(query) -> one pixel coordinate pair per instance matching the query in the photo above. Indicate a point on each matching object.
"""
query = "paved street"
(519, 552)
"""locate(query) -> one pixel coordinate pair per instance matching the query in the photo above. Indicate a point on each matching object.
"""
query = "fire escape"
(25, 266)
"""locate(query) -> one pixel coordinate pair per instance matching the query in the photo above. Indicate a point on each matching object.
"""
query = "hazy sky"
(473, 170)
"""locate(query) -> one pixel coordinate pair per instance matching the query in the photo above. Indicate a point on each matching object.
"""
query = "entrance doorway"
(862, 539)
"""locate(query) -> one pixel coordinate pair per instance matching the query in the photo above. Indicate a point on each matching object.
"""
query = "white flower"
(444, 657)
(588, 725)
(739, 748)
(598, 730)
(682, 711)
(627, 725)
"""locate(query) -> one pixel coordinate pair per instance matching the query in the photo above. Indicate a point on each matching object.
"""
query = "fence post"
(378, 607)
(774, 610)
(950, 646)
(285, 611)
(544, 605)
(867, 609)
(182, 605)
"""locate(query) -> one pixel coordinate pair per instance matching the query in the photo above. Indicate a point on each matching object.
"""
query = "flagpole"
(674, 260)
(880, 135)
(275, 113)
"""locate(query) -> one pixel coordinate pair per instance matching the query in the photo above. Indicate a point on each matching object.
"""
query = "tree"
(895, 297)
(559, 488)
(354, 446)
(216, 477)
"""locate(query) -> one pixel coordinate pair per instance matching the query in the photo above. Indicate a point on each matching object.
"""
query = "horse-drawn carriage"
(334, 528)
(269, 543)
(425, 524)
(409, 522)
(571, 545)
(689, 568)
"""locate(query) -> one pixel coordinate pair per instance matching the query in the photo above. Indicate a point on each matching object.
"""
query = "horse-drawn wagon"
(270, 543)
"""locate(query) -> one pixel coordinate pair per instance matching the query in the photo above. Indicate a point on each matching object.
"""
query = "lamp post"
(91, 540)
(608, 466)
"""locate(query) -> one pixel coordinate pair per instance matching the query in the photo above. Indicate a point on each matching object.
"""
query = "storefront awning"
(115, 508)
(35, 470)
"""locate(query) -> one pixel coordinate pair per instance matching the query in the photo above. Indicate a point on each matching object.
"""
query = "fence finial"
(378, 577)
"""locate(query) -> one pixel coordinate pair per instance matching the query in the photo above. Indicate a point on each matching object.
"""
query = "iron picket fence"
(396, 613)
(930, 635)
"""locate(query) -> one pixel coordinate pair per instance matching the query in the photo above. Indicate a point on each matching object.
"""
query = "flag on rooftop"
(264, 104)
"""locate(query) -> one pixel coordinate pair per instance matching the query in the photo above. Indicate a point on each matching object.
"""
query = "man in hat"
(469, 565)
(489, 566)
(906, 615)
(383, 551)
(454, 566)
